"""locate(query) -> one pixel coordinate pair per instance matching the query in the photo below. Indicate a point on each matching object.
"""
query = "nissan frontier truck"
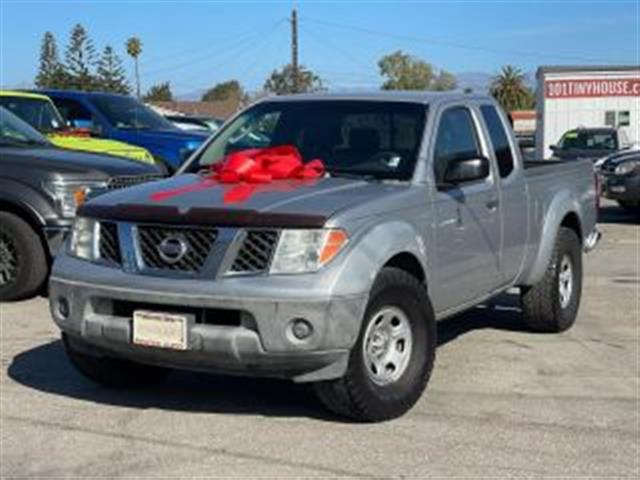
(318, 238)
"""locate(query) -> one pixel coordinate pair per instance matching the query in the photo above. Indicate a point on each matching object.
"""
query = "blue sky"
(195, 44)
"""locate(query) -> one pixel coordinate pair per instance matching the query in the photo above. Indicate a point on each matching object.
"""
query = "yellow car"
(40, 112)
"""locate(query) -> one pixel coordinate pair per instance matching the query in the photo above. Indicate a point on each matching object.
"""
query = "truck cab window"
(499, 139)
(456, 139)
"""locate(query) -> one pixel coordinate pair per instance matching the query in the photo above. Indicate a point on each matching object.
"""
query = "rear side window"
(456, 140)
(499, 139)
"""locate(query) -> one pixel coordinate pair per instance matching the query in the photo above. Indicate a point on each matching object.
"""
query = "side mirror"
(554, 148)
(466, 170)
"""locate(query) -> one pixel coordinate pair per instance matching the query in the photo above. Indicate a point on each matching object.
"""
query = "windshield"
(589, 140)
(37, 112)
(127, 112)
(14, 131)
(368, 139)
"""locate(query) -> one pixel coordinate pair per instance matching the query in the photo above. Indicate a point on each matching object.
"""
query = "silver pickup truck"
(425, 210)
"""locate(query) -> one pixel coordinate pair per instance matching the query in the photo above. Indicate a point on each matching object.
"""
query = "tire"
(116, 373)
(364, 396)
(23, 262)
(551, 306)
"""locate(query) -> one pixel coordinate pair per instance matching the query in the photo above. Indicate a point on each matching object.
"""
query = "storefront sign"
(611, 87)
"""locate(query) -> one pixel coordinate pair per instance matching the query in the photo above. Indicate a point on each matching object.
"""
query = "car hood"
(167, 136)
(100, 145)
(188, 198)
(63, 161)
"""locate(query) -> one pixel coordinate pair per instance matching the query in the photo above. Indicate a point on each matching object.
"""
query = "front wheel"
(391, 362)
(23, 261)
(552, 304)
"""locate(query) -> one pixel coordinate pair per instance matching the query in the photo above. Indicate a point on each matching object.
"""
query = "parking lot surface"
(501, 402)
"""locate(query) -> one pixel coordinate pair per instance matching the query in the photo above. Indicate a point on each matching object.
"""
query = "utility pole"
(294, 48)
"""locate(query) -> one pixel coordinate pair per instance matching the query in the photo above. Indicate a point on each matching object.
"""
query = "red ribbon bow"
(263, 165)
(251, 167)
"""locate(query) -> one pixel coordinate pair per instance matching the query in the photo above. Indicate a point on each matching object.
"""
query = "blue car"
(124, 118)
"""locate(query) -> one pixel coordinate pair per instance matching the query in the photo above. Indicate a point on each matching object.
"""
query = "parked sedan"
(620, 175)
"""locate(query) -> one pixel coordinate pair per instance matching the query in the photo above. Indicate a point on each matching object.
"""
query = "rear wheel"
(23, 262)
(112, 372)
(391, 362)
(552, 304)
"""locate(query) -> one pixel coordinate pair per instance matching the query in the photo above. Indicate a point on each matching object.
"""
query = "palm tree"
(134, 49)
(510, 90)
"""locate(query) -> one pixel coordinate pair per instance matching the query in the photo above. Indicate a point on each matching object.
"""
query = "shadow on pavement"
(45, 368)
(612, 213)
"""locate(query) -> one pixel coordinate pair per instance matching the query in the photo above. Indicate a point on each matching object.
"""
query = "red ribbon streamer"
(251, 168)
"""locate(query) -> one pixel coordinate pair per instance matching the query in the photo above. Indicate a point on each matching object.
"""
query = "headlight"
(68, 196)
(627, 167)
(303, 251)
(83, 242)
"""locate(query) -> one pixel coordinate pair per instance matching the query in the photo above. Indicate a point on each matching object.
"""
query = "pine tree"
(51, 72)
(80, 59)
(111, 75)
(159, 93)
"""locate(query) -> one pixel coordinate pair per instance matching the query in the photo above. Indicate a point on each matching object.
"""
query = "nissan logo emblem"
(173, 249)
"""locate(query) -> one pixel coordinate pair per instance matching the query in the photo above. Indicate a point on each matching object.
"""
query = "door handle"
(493, 204)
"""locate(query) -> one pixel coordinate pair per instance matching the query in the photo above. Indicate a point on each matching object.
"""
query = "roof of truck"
(384, 95)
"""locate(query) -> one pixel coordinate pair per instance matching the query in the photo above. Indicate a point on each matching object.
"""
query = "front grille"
(109, 246)
(116, 183)
(196, 244)
(205, 316)
(256, 251)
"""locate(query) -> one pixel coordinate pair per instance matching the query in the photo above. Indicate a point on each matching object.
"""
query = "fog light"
(63, 307)
(301, 329)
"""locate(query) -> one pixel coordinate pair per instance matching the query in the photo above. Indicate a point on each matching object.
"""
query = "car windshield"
(14, 131)
(37, 112)
(589, 140)
(352, 138)
(127, 112)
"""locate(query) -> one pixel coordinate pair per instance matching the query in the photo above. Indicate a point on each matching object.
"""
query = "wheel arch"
(563, 211)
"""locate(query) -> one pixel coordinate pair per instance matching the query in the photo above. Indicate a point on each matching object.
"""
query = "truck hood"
(62, 161)
(188, 198)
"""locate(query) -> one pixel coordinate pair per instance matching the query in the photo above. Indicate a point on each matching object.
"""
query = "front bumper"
(260, 343)
(621, 187)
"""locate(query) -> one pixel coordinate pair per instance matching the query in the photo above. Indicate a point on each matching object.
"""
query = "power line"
(333, 48)
(446, 43)
(247, 40)
(160, 59)
(235, 55)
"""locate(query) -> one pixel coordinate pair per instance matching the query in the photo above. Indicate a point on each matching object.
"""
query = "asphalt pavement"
(501, 402)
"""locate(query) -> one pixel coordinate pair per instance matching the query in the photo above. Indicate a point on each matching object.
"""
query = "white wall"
(557, 115)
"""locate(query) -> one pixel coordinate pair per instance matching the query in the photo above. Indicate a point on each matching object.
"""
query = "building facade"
(572, 97)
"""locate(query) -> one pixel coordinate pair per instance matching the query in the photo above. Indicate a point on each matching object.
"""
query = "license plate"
(617, 188)
(160, 330)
